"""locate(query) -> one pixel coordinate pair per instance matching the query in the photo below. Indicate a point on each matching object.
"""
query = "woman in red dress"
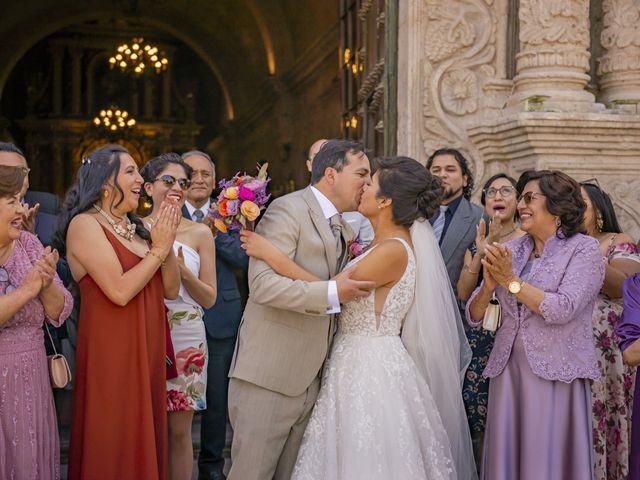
(119, 428)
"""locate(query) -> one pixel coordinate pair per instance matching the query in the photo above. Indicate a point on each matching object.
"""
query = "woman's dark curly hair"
(563, 198)
(414, 192)
(464, 166)
(94, 173)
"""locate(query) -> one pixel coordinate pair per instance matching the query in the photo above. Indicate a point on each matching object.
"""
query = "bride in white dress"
(376, 416)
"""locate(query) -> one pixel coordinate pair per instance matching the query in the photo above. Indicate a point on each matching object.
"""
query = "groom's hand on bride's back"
(350, 288)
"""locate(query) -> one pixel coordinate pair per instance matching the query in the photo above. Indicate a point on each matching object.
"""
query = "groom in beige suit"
(287, 326)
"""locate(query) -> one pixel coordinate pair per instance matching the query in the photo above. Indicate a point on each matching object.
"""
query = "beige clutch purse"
(492, 315)
(59, 371)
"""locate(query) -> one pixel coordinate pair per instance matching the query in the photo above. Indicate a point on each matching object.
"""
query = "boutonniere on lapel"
(355, 248)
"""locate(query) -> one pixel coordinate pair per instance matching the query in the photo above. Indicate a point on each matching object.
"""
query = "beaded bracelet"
(151, 252)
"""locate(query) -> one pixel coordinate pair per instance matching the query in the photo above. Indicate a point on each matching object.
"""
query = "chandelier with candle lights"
(113, 119)
(139, 57)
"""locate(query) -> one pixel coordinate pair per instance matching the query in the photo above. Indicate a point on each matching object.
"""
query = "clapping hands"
(163, 231)
(497, 263)
(483, 239)
(29, 217)
(42, 273)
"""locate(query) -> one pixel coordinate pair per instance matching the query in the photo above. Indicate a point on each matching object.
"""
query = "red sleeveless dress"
(119, 428)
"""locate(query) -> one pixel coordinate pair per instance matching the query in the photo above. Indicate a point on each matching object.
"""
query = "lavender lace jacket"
(559, 343)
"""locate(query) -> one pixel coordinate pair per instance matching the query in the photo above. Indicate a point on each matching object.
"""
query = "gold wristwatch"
(515, 286)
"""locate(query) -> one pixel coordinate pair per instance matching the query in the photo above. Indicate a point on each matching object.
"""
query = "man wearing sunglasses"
(221, 320)
(454, 224)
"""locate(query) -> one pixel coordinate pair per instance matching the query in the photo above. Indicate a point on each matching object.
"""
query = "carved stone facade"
(619, 67)
(455, 89)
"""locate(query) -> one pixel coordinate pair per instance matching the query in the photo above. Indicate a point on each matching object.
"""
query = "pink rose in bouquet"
(240, 201)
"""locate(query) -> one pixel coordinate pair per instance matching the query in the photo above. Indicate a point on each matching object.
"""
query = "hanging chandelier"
(139, 57)
(113, 119)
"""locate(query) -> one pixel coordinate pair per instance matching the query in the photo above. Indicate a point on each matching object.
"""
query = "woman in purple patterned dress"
(539, 417)
(31, 293)
(628, 330)
(612, 395)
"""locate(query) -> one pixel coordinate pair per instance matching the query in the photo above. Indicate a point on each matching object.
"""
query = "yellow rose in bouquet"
(250, 210)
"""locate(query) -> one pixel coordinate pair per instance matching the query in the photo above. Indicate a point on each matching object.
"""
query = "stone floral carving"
(621, 18)
(460, 91)
(554, 22)
(620, 36)
(448, 29)
(457, 42)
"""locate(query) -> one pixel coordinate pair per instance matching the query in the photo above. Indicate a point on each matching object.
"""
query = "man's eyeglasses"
(528, 196)
(169, 180)
(505, 191)
(4, 278)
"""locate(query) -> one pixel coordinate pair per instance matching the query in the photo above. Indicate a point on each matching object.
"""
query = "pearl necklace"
(125, 232)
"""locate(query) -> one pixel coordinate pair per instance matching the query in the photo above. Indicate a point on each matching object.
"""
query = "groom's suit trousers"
(271, 425)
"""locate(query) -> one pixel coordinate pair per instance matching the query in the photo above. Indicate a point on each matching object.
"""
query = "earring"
(105, 194)
(599, 221)
(558, 222)
(380, 207)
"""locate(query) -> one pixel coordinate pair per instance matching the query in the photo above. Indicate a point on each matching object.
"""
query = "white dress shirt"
(204, 209)
(360, 226)
(328, 210)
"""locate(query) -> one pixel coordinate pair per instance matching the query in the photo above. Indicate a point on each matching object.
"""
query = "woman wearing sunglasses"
(499, 199)
(547, 281)
(611, 395)
(168, 177)
(30, 294)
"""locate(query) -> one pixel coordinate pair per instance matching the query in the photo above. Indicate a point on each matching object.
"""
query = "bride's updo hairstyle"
(415, 193)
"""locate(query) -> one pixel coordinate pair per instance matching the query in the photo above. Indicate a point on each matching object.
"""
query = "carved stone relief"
(619, 66)
(459, 46)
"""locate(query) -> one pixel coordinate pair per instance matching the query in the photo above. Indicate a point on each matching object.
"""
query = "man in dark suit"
(454, 224)
(221, 321)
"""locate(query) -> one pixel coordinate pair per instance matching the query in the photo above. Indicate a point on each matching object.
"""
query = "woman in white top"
(168, 176)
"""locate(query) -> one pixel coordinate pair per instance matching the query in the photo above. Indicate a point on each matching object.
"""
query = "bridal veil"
(434, 336)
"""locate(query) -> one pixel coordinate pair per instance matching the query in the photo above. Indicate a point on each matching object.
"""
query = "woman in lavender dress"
(31, 293)
(539, 418)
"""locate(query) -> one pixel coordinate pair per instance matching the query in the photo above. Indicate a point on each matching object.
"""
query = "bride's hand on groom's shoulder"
(351, 289)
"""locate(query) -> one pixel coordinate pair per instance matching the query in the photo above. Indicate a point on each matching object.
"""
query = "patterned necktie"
(336, 229)
(199, 215)
(438, 225)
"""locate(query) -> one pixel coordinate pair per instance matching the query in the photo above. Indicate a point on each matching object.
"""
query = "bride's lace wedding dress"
(375, 417)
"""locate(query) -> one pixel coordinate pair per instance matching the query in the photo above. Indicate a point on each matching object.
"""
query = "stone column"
(619, 66)
(57, 54)
(76, 80)
(554, 55)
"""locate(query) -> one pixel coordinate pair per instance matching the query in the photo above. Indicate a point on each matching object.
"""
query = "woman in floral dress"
(169, 177)
(499, 199)
(612, 395)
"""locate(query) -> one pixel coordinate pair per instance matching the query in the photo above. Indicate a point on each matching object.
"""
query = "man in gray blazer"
(454, 224)
(287, 326)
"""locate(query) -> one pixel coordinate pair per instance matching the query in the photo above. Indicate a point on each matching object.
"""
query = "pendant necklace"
(125, 232)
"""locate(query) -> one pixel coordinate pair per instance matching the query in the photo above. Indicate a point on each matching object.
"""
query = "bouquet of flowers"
(240, 202)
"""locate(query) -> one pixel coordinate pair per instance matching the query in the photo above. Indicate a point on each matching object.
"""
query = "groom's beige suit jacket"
(285, 332)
